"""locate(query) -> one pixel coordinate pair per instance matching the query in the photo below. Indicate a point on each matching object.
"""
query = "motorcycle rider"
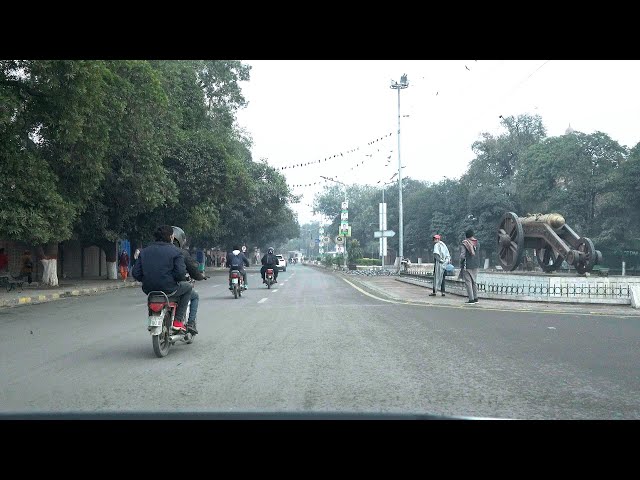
(180, 241)
(236, 260)
(161, 266)
(269, 260)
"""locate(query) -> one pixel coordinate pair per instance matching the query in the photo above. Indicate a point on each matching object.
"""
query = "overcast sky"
(344, 111)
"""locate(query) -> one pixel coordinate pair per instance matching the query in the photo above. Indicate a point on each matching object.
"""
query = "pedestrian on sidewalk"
(4, 261)
(27, 266)
(123, 261)
(441, 258)
(469, 264)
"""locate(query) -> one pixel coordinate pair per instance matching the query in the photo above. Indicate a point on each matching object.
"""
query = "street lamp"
(399, 86)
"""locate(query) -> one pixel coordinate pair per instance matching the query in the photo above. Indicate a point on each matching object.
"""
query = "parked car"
(282, 263)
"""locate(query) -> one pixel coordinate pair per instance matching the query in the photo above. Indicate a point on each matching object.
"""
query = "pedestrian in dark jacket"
(161, 266)
(27, 266)
(123, 262)
(469, 264)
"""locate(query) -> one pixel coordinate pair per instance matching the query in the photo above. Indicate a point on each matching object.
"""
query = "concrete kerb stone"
(73, 292)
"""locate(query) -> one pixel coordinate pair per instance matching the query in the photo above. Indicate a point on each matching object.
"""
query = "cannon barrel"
(554, 220)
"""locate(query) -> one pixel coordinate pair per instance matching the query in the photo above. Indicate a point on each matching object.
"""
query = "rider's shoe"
(245, 287)
(178, 325)
(192, 329)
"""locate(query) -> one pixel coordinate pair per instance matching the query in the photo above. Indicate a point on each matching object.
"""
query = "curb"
(75, 292)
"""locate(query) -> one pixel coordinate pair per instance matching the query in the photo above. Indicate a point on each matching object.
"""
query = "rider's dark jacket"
(270, 260)
(192, 265)
(160, 266)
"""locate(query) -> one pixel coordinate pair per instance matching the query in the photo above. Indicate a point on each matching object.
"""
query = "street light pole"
(399, 86)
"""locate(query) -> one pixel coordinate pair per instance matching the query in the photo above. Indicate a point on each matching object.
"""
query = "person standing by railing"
(469, 265)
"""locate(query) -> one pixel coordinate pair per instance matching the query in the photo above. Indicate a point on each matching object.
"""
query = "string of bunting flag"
(331, 157)
(361, 163)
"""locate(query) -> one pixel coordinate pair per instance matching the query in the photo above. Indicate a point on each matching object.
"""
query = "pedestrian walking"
(469, 264)
(27, 266)
(123, 262)
(441, 258)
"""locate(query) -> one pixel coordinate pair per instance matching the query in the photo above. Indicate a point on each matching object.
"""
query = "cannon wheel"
(510, 241)
(590, 258)
(544, 255)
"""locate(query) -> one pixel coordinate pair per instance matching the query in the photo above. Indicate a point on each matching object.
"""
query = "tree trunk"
(111, 255)
(112, 270)
(48, 255)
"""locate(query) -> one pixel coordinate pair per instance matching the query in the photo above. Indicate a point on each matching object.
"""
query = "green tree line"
(591, 180)
(103, 150)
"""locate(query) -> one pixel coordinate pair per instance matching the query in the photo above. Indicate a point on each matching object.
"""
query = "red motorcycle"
(269, 278)
(162, 313)
(237, 283)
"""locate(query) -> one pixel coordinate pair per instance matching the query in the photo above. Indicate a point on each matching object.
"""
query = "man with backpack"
(236, 260)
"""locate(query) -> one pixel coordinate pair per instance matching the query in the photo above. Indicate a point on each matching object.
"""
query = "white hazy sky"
(302, 111)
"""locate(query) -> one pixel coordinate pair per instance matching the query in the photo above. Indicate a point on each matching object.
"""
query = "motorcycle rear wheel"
(162, 343)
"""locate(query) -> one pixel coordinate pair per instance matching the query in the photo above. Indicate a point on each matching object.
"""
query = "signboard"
(339, 240)
(340, 249)
(344, 216)
(321, 230)
(384, 233)
(326, 239)
(345, 205)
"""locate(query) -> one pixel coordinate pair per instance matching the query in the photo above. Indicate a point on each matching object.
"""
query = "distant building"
(569, 130)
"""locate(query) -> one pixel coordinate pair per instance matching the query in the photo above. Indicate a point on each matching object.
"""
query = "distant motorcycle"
(268, 277)
(237, 283)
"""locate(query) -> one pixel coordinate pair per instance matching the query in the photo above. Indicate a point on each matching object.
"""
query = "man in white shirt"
(441, 258)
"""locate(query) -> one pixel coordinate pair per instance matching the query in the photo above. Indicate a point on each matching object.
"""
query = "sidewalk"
(397, 289)
(35, 293)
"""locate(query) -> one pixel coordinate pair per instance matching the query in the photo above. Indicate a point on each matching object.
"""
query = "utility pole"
(400, 86)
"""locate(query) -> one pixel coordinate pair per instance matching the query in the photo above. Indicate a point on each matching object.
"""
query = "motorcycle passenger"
(180, 241)
(161, 267)
(236, 260)
(269, 260)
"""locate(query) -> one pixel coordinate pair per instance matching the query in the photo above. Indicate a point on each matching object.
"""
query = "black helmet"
(180, 238)
(270, 250)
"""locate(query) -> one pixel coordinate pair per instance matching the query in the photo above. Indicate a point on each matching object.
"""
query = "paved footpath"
(392, 288)
(35, 293)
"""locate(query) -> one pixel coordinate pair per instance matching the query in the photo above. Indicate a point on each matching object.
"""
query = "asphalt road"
(316, 343)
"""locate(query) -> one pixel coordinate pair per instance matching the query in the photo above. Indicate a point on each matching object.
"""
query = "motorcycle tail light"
(156, 307)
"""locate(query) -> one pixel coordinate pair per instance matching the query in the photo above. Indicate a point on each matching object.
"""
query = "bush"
(369, 262)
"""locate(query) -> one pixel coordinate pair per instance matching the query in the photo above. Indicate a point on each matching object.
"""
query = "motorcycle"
(162, 313)
(268, 277)
(237, 283)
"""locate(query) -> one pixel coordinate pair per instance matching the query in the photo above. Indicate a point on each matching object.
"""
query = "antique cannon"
(551, 238)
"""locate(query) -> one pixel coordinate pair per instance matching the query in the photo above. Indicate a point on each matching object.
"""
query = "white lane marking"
(274, 290)
(140, 304)
(262, 300)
